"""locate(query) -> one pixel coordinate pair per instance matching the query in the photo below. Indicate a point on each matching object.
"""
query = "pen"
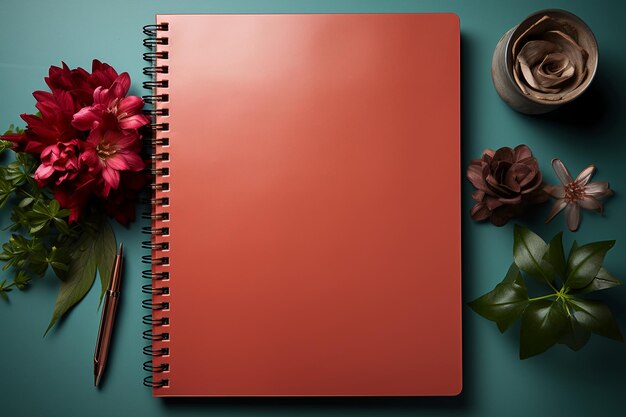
(111, 299)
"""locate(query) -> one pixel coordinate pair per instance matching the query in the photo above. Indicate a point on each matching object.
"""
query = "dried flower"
(505, 180)
(573, 195)
(548, 61)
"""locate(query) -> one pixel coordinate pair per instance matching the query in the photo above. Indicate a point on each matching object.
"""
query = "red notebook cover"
(310, 185)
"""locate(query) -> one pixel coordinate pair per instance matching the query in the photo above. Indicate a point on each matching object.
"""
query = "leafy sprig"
(42, 238)
(563, 315)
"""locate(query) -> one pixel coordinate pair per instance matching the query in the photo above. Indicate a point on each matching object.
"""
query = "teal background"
(53, 376)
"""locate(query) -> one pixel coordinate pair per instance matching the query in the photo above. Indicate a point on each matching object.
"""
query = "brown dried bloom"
(505, 181)
(548, 61)
(576, 194)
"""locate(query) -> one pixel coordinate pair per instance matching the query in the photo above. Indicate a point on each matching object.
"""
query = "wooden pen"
(111, 300)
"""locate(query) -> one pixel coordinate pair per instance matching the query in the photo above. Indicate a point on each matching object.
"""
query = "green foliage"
(105, 247)
(5, 289)
(42, 239)
(506, 303)
(95, 250)
(562, 315)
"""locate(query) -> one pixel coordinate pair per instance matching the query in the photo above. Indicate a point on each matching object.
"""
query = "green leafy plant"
(563, 315)
(43, 240)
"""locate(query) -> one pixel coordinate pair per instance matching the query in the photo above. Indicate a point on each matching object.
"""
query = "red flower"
(59, 163)
(102, 75)
(54, 124)
(87, 139)
(76, 82)
(110, 105)
(79, 83)
(113, 151)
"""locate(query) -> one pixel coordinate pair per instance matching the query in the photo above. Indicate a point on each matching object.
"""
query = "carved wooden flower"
(549, 63)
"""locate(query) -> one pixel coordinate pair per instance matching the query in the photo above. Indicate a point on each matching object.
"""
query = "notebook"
(306, 205)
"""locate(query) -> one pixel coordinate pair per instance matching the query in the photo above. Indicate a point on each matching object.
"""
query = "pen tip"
(121, 248)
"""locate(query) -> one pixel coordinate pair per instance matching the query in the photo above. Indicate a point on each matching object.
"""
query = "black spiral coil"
(157, 303)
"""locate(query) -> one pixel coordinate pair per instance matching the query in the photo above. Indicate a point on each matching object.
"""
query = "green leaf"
(78, 281)
(556, 255)
(4, 289)
(603, 280)
(43, 213)
(62, 226)
(576, 335)
(105, 247)
(596, 317)
(5, 144)
(585, 262)
(25, 202)
(13, 130)
(6, 190)
(21, 280)
(505, 303)
(544, 322)
(59, 259)
(528, 252)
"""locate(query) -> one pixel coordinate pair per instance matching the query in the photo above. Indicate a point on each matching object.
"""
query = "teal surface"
(53, 376)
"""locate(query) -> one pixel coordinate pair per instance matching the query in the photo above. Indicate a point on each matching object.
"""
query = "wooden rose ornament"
(546, 61)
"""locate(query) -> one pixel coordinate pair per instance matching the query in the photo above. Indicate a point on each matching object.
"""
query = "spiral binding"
(158, 275)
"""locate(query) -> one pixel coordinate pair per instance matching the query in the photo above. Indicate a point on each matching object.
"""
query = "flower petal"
(480, 212)
(121, 85)
(478, 196)
(101, 96)
(475, 175)
(489, 153)
(556, 209)
(43, 172)
(522, 152)
(575, 53)
(504, 154)
(111, 177)
(95, 137)
(556, 191)
(493, 203)
(554, 70)
(134, 122)
(572, 217)
(585, 175)
(87, 118)
(561, 171)
(134, 161)
(130, 105)
(125, 161)
(590, 203)
(598, 189)
(531, 54)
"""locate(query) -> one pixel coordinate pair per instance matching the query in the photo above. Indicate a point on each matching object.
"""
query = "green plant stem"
(543, 297)
(560, 295)
(569, 313)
